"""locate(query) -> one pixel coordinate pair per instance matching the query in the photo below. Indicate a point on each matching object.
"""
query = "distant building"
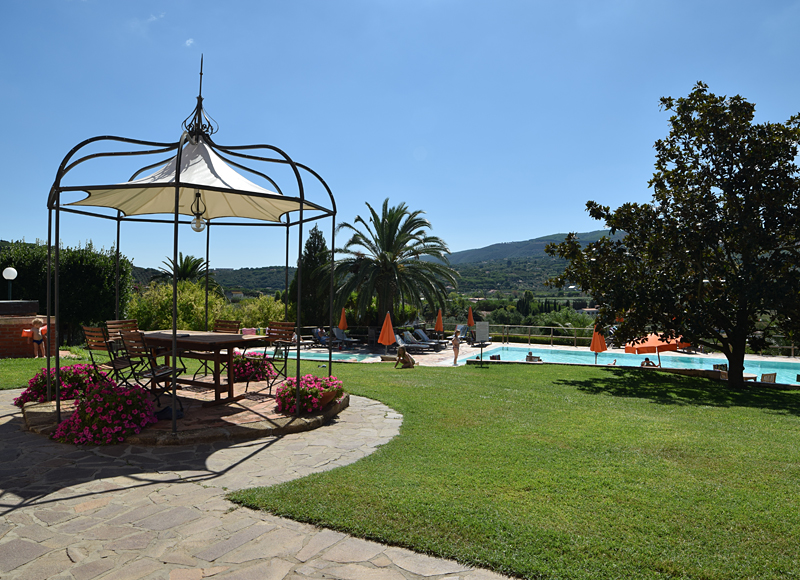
(589, 311)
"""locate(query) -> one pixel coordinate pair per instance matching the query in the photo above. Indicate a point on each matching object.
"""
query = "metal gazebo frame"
(198, 128)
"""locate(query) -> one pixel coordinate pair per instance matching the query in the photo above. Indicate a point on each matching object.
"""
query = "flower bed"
(245, 367)
(315, 392)
(106, 414)
(75, 380)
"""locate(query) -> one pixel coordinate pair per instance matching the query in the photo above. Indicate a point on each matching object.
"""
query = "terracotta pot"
(326, 398)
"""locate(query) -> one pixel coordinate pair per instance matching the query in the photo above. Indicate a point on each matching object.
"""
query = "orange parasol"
(387, 332)
(598, 344)
(343, 321)
(470, 320)
(652, 343)
(439, 324)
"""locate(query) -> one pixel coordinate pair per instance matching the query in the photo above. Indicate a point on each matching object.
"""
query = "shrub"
(106, 414)
(311, 391)
(75, 379)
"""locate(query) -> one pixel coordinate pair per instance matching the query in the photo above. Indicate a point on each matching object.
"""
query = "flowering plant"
(249, 367)
(311, 393)
(74, 380)
(106, 414)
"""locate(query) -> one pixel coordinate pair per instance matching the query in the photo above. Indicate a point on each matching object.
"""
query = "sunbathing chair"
(342, 337)
(409, 347)
(323, 340)
(410, 339)
(424, 337)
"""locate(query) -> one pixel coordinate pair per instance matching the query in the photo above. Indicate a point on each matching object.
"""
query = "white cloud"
(153, 18)
(190, 42)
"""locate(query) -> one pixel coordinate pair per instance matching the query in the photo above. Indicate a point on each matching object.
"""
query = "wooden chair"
(120, 367)
(227, 326)
(769, 377)
(220, 326)
(148, 372)
(279, 335)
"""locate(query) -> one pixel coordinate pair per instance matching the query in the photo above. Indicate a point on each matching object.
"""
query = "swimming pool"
(340, 356)
(787, 371)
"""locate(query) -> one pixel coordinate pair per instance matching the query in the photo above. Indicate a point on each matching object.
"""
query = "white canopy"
(224, 192)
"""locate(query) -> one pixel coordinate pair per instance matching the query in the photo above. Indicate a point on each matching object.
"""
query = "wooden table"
(205, 345)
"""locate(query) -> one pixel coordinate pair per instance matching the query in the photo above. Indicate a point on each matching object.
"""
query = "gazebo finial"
(199, 123)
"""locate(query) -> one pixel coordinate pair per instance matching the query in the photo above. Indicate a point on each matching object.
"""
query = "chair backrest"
(95, 338)
(421, 333)
(769, 377)
(227, 326)
(399, 341)
(339, 333)
(280, 332)
(115, 327)
(408, 337)
(721, 367)
(134, 344)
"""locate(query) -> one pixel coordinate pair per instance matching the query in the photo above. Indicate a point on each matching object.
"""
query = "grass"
(569, 472)
(16, 372)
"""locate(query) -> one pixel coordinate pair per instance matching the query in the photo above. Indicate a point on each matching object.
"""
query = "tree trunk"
(736, 364)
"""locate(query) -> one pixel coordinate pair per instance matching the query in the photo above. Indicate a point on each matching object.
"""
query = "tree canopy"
(316, 280)
(383, 259)
(717, 247)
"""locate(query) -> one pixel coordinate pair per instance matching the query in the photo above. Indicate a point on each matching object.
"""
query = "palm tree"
(384, 260)
(189, 268)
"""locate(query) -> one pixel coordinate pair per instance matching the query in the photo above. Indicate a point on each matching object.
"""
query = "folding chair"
(279, 335)
(119, 368)
(148, 371)
(769, 377)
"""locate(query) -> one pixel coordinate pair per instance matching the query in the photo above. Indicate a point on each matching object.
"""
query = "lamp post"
(9, 274)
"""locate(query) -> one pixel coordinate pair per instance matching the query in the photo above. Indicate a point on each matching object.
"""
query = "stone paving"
(130, 512)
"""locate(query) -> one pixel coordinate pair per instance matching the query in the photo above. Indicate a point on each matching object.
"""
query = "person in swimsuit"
(37, 337)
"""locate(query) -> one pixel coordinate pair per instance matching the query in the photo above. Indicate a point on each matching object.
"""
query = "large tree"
(382, 258)
(717, 248)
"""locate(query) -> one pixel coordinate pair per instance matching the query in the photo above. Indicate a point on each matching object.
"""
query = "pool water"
(787, 371)
(323, 355)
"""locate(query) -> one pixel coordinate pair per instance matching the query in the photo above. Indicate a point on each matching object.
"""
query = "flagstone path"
(130, 512)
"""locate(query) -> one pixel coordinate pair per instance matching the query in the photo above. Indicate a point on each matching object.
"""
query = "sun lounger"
(408, 347)
(426, 345)
(424, 337)
(343, 338)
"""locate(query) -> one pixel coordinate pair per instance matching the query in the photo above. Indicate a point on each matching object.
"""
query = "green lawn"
(569, 472)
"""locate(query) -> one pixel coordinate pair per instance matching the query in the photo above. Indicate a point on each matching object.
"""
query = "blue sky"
(498, 119)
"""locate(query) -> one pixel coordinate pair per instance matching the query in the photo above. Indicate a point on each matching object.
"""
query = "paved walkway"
(128, 512)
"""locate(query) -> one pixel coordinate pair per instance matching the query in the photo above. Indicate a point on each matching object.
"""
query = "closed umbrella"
(598, 344)
(387, 332)
(439, 324)
(470, 320)
(343, 321)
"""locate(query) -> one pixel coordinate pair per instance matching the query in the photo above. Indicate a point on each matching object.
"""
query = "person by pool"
(648, 363)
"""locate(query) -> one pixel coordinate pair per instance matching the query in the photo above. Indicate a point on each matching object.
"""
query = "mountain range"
(510, 250)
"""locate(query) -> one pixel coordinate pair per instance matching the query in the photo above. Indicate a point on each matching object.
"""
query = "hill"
(529, 249)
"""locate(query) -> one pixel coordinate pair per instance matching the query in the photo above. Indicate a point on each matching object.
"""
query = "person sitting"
(405, 358)
(529, 358)
(648, 363)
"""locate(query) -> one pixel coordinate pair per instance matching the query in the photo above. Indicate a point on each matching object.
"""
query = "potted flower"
(315, 393)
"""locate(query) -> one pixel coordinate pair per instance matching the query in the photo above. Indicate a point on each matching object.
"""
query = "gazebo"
(199, 179)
